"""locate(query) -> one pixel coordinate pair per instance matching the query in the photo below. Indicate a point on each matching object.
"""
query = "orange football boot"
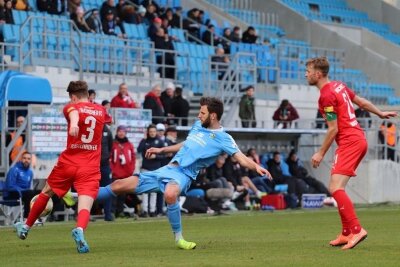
(356, 239)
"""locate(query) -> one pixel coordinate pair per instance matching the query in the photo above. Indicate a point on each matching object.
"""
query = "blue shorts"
(155, 181)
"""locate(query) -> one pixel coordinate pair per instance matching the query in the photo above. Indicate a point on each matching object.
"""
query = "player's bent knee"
(171, 193)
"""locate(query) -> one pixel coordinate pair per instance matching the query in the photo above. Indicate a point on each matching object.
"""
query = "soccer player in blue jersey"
(204, 143)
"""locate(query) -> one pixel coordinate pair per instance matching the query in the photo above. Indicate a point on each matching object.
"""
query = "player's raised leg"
(37, 209)
(171, 194)
(119, 186)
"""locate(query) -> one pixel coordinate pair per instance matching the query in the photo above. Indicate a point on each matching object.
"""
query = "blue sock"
(174, 217)
(105, 193)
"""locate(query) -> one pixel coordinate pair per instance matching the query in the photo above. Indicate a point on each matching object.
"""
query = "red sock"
(83, 219)
(347, 213)
(37, 209)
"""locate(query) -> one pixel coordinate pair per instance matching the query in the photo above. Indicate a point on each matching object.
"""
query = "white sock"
(178, 236)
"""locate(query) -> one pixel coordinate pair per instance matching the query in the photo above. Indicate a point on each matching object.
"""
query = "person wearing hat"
(123, 161)
(247, 111)
(141, 18)
(153, 28)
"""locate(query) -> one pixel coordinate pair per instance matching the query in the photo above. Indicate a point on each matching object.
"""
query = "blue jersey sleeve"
(229, 145)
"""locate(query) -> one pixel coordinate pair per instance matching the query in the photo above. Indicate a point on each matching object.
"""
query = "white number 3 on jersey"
(91, 122)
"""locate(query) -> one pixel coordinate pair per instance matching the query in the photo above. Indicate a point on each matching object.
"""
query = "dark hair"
(319, 63)
(236, 28)
(250, 150)
(276, 153)
(214, 105)
(105, 102)
(284, 103)
(78, 88)
(92, 91)
(178, 91)
(292, 152)
(151, 126)
(26, 152)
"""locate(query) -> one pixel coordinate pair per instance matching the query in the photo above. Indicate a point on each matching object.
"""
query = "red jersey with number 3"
(85, 149)
(336, 98)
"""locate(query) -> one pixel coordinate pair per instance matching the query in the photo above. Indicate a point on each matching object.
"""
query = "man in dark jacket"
(249, 36)
(167, 97)
(246, 108)
(150, 164)
(163, 41)
(152, 101)
(295, 186)
(180, 108)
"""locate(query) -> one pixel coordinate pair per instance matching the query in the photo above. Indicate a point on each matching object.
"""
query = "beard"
(207, 122)
(312, 82)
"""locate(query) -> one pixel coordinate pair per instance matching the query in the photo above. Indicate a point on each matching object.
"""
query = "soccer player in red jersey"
(78, 165)
(336, 106)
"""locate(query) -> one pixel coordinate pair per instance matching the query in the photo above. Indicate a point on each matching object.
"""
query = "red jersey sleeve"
(350, 93)
(67, 109)
(328, 103)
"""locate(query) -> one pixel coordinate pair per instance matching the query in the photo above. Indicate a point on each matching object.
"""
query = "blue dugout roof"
(17, 86)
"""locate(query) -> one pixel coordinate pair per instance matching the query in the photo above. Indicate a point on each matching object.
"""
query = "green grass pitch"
(285, 238)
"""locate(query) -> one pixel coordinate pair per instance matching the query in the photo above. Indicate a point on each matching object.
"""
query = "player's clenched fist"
(316, 159)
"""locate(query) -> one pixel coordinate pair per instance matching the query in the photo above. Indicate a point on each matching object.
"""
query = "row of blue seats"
(194, 50)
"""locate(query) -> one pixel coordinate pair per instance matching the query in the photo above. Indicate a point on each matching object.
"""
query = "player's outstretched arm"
(326, 144)
(73, 120)
(248, 163)
(168, 149)
(368, 106)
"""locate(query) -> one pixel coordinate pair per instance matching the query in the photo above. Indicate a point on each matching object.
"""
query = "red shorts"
(348, 157)
(84, 179)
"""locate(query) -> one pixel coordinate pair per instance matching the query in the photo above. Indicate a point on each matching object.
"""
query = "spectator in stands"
(295, 186)
(106, 104)
(150, 164)
(110, 25)
(166, 59)
(201, 18)
(92, 95)
(191, 25)
(247, 112)
(297, 170)
(285, 114)
(119, 8)
(234, 174)
(209, 36)
(176, 19)
(105, 169)
(235, 35)
(2, 12)
(123, 99)
(220, 62)
(142, 15)
(180, 108)
(8, 12)
(129, 15)
(167, 97)
(216, 179)
(225, 41)
(94, 22)
(123, 161)
(249, 36)
(165, 25)
(152, 101)
(80, 21)
(363, 118)
(19, 181)
(169, 16)
(56, 7)
(153, 28)
(106, 8)
(18, 146)
(263, 185)
(387, 136)
(21, 5)
(151, 12)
